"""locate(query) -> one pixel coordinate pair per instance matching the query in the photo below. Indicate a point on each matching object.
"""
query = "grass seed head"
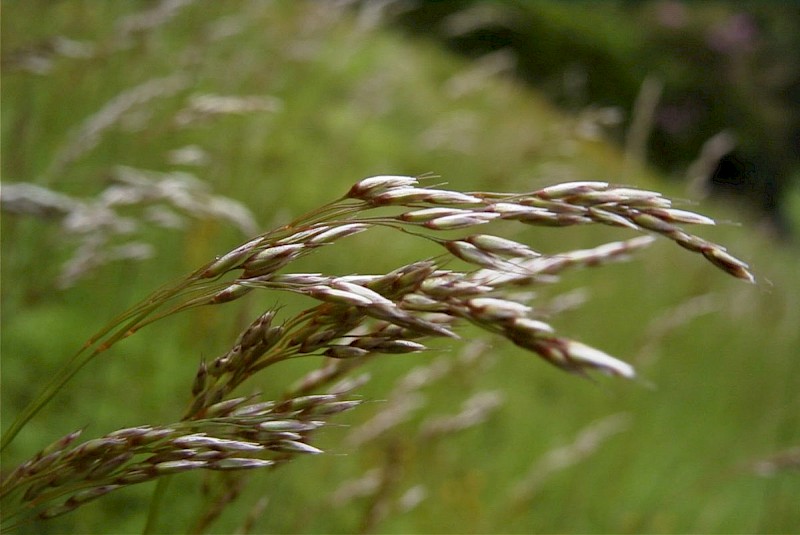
(607, 217)
(232, 292)
(296, 426)
(513, 211)
(589, 357)
(459, 221)
(335, 407)
(226, 407)
(528, 327)
(294, 446)
(496, 245)
(200, 379)
(472, 254)
(201, 440)
(651, 222)
(272, 258)
(729, 263)
(674, 215)
(399, 346)
(105, 468)
(231, 260)
(239, 463)
(337, 232)
(332, 295)
(452, 197)
(345, 352)
(427, 214)
(568, 189)
(365, 189)
(493, 309)
(174, 467)
(361, 316)
(360, 290)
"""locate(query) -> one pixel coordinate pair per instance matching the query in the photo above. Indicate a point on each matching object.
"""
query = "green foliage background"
(719, 392)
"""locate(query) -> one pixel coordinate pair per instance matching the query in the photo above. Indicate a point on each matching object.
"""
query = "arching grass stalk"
(138, 316)
(357, 317)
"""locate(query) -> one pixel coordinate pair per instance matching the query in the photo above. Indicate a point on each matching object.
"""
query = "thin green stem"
(102, 341)
(154, 511)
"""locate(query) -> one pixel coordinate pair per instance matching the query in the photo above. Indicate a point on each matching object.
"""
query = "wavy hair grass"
(355, 318)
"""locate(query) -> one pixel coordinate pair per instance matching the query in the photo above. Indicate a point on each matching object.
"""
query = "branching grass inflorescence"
(356, 318)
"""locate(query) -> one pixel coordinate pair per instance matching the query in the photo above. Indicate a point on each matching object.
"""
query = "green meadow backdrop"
(280, 106)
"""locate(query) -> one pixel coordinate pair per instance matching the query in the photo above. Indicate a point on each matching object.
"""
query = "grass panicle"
(355, 318)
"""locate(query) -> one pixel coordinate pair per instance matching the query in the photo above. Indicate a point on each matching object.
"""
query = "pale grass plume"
(787, 460)
(585, 444)
(351, 319)
(90, 132)
(232, 435)
(109, 226)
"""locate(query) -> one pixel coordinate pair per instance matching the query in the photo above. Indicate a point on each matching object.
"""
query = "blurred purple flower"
(735, 35)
